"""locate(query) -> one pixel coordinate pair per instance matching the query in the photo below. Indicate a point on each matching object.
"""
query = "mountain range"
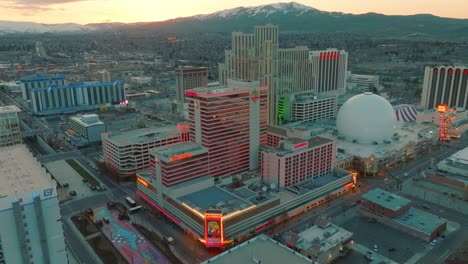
(291, 17)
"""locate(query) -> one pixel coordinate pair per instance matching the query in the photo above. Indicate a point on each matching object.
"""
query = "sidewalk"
(147, 221)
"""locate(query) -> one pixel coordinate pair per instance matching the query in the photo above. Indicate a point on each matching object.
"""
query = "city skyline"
(93, 11)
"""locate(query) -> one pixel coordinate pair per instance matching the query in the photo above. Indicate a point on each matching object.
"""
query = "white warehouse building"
(30, 229)
(88, 126)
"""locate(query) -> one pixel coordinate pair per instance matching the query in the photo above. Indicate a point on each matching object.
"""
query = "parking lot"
(353, 257)
(64, 174)
(391, 243)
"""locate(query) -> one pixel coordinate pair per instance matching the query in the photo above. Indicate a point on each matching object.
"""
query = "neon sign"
(254, 96)
(140, 180)
(214, 230)
(301, 145)
(442, 108)
(191, 93)
(181, 156)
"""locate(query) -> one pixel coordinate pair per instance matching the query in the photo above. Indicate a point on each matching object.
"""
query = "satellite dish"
(264, 188)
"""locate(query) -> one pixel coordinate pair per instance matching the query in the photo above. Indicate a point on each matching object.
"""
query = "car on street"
(72, 193)
(106, 220)
(433, 242)
(376, 248)
(89, 211)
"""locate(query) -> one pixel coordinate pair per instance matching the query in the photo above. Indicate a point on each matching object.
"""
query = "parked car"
(110, 205)
(89, 211)
(106, 220)
(99, 223)
(85, 180)
(169, 240)
(72, 193)
(121, 216)
(65, 185)
(376, 248)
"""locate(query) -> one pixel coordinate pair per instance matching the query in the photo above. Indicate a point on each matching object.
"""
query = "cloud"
(32, 7)
(44, 2)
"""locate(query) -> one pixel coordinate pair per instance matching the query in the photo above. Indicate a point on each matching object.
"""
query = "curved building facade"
(445, 85)
(366, 119)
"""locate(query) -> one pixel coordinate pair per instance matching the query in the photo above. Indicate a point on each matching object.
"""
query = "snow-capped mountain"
(9, 27)
(290, 17)
(291, 8)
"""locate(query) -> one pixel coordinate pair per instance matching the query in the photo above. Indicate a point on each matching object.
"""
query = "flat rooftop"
(318, 239)
(283, 149)
(20, 172)
(386, 199)
(165, 153)
(420, 220)
(214, 198)
(88, 120)
(143, 135)
(460, 157)
(260, 249)
(232, 87)
(312, 184)
(407, 132)
(9, 109)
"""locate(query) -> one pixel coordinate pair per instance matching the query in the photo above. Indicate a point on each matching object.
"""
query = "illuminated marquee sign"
(301, 145)
(214, 231)
(140, 180)
(442, 108)
(181, 156)
(190, 93)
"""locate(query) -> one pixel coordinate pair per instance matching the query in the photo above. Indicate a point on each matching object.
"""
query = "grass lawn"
(84, 173)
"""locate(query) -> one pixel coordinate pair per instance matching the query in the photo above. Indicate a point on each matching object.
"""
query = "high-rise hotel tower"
(231, 123)
(445, 85)
(257, 57)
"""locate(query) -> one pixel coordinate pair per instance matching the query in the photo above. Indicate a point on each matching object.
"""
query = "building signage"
(140, 180)
(190, 93)
(301, 145)
(442, 108)
(48, 192)
(254, 96)
(181, 156)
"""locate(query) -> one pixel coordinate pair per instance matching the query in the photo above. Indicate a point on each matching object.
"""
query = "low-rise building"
(384, 203)
(361, 83)
(312, 107)
(141, 79)
(260, 249)
(31, 228)
(396, 211)
(126, 153)
(297, 160)
(459, 122)
(10, 130)
(88, 126)
(219, 213)
(323, 242)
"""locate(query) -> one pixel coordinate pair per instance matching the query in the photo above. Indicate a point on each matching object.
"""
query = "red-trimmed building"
(231, 122)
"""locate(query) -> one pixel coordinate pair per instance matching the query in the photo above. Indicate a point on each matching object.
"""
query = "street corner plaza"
(128, 240)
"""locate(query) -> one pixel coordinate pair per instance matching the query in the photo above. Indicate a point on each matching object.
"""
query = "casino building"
(212, 186)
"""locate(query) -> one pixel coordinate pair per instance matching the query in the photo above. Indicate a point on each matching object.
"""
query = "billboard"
(214, 233)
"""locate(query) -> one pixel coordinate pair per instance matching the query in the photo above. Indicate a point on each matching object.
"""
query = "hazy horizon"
(101, 11)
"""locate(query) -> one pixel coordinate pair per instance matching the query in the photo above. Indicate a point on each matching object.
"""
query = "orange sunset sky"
(96, 11)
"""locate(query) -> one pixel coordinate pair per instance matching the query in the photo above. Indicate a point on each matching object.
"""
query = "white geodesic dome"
(366, 119)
